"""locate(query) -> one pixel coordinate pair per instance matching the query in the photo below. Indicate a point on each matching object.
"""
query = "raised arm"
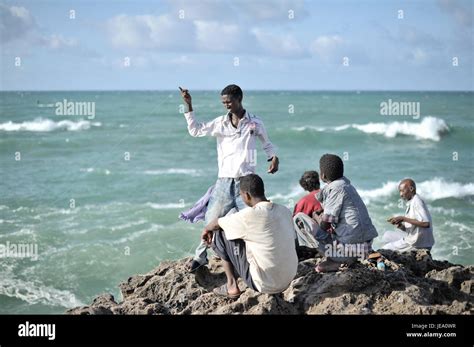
(195, 128)
(187, 98)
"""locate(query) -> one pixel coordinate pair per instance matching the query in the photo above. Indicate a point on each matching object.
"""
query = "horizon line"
(250, 89)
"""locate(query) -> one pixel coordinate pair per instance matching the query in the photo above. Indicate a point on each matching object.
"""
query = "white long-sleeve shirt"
(236, 147)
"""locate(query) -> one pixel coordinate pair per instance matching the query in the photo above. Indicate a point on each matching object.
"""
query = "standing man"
(416, 222)
(236, 133)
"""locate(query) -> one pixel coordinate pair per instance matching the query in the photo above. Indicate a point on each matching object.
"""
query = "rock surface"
(413, 283)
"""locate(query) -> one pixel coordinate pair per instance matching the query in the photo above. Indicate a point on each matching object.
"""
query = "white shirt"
(236, 147)
(416, 236)
(267, 230)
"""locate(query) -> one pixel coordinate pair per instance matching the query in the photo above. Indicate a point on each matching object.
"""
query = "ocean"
(99, 189)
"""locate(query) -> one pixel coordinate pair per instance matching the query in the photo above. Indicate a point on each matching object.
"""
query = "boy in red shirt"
(307, 211)
(309, 204)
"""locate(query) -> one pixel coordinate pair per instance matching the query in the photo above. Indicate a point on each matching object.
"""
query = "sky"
(258, 44)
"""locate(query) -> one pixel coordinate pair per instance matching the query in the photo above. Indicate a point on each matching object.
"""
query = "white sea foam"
(450, 212)
(173, 171)
(91, 169)
(458, 226)
(459, 234)
(139, 233)
(434, 189)
(22, 232)
(295, 192)
(310, 127)
(128, 225)
(387, 189)
(56, 211)
(35, 292)
(438, 188)
(430, 128)
(46, 125)
(165, 206)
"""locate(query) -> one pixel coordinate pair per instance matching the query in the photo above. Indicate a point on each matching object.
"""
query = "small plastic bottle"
(380, 265)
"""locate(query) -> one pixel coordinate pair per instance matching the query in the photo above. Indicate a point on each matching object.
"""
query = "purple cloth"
(198, 211)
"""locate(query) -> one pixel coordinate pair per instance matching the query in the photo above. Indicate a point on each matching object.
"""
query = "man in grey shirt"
(346, 230)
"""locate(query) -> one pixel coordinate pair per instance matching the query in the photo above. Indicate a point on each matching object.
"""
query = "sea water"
(99, 195)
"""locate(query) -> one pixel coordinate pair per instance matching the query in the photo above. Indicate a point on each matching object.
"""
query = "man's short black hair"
(331, 166)
(233, 91)
(310, 181)
(253, 185)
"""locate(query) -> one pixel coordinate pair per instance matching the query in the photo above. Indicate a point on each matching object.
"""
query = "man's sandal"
(222, 291)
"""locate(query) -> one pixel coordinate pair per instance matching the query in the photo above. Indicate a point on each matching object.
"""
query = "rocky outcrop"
(413, 283)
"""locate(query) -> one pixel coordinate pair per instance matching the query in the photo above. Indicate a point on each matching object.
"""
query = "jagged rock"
(103, 304)
(418, 262)
(467, 286)
(453, 276)
(413, 283)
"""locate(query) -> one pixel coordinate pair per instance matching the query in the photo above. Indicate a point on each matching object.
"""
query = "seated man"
(256, 244)
(346, 230)
(307, 208)
(416, 222)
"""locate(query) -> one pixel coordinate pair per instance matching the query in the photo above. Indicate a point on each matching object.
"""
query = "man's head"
(331, 167)
(310, 181)
(251, 189)
(232, 98)
(407, 189)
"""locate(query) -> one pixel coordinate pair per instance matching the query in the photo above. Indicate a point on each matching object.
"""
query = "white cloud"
(218, 37)
(147, 60)
(20, 33)
(182, 60)
(279, 45)
(327, 47)
(419, 55)
(276, 10)
(200, 10)
(171, 34)
(462, 15)
(233, 11)
(226, 33)
(58, 41)
(415, 36)
(15, 23)
(148, 31)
